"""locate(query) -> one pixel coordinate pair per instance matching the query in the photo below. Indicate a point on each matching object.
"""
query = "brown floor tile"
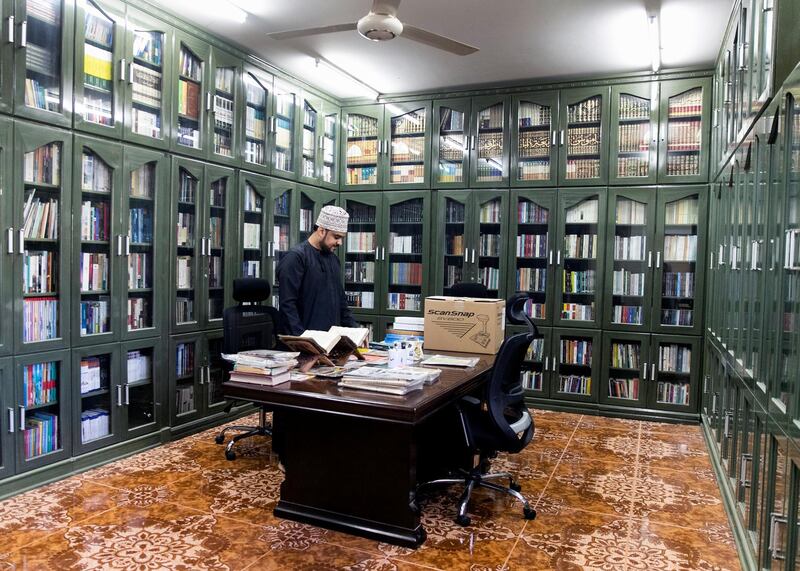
(677, 451)
(667, 428)
(598, 487)
(679, 549)
(324, 557)
(590, 422)
(559, 420)
(606, 444)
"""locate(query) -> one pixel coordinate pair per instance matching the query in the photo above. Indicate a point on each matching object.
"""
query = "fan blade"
(289, 34)
(437, 41)
(385, 7)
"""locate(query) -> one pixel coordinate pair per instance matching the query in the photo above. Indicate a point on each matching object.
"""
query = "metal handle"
(558, 257)
(10, 32)
(705, 383)
(550, 258)
(130, 73)
(743, 481)
(10, 419)
(21, 417)
(387, 147)
(658, 259)
(773, 256)
(202, 376)
(273, 124)
(208, 101)
(127, 245)
(119, 244)
(562, 137)
(714, 403)
(21, 241)
(711, 264)
(119, 395)
(644, 374)
(23, 34)
(546, 362)
(775, 520)
(473, 255)
(754, 255)
(649, 258)
(472, 142)
(721, 255)
(554, 138)
(321, 141)
(10, 240)
(122, 64)
(653, 372)
(127, 394)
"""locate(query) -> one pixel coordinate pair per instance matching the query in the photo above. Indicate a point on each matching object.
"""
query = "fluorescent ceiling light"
(655, 42)
(368, 91)
(223, 9)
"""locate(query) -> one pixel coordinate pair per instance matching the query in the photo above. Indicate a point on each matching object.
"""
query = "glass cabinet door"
(283, 227)
(7, 53)
(489, 141)
(285, 99)
(190, 243)
(362, 146)
(255, 246)
(534, 374)
(773, 552)
(759, 263)
(8, 238)
(450, 146)
(684, 115)
(680, 259)
(362, 267)
(99, 77)
(634, 131)
(215, 374)
(307, 219)
(43, 226)
(186, 370)
(310, 138)
(489, 267)
(631, 213)
(408, 131)
(754, 513)
(141, 386)
(221, 186)
(579, 258)
(577, 365)
(404, 251)
(763, 38)
(329, 149)
(144, 213)
(790, 356)
(534, 148)
(97, 246)
(44, 92)
(148, 99)
(257, 88)
(674, 373)
(43, 395)
(625, 367)
(453, 211)
(530, 262)
(192, 96)
(7, 421)
(583, 138)
(99, 400)
(223, 117)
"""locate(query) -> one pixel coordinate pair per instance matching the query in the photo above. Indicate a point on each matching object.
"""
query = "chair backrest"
(248, 327)
(469, 289)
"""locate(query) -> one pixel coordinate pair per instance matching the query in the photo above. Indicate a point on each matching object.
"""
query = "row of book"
(40, 383)
(578, 169)
(282, 158)
(632, 107)
(673, 393)
(575, 384)
(98, 67)
(146, 123)
(577, 312)
(94, 374)
(491, 117)
(216, 229)
(94, 272)
(40, 218)
(360, 299)
(96, 175)
(627, 283)
(95, 220)
(531, 246)
(407, 174)
(251, 236)
(252, 199)
(408, 149)
(630, 212)
(450, 120)
(361, 126)
(586, 111)
(584, 281)
(491, 212)
(223, 114)
(184, 399)
(630, 248)
(583, 141)
(452, 275)
(255, 94)
(39, 319)
(684, 136)
(184, 272)
(452, 149)
(538, 169)
(531, 279)
(283, 133)
(410, 123)
(251, 268)
(140, 224)
(626, 314)
(280, 237)
(147, 88)
(184, 359)
(625, 355)
(255, 152)
(681, 248)
(684, 211)
(306, 219)
(139, 270)
(633, 166)
(215, 271)
(188, 135)
(405, 273)
(535, 309)
(189, 65)
(185, 229)
(576, 352)
(223, 144)
(490, 244)
(361, 175)
(531, 213)
(361, 213)
(580, 246)
(585, 212)
(42, 96)
(634, 138)
(359, 272)
(535, 350)
(362, 242)
(139, 365)
(683, 165)
(224, 78)
(686, 104)
(404, 301)
(147, 46)
(627, 389)
(184, 309)
(43, 164)
(97, 109)
(683, 317)
(409, 211)
(679, 284)
(255, 124)
(534, 115)
(140, 315)
(97, 27)
(95, 423)
(454, 244)
(531, 380)
(41, 434)
(40, 272)
(674, 358)
(489, 172)
(95, 316)
(489, 277)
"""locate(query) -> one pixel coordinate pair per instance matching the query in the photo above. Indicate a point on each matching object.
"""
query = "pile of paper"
(262, 366)
(398, 381)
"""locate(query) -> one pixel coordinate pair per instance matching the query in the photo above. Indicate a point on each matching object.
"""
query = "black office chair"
(248, 326)
(469, 289)
(500, 422)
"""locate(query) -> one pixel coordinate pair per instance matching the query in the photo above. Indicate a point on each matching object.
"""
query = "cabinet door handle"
(652, 371)
(122, 64)
(550, 258)
(127, 394)
(320, 141)
(644, 375)
(775, 519)
(21, 241)
(21, 418)
(202, 371)
(649, 258)
(10, 37)
(130, 73)
(127, 245)
(558, 257)
(714, 403)
(546, 363)
(11, 419)
(119, 244)
(711, 264)
(273, 124)
(119, 395)
(473, 255)
(754, 255)
(23, 34)
(10, 240)
(472, 142)
(658, 259)
(554, 138)
(562, 137)
(208, 101)
(743, 482)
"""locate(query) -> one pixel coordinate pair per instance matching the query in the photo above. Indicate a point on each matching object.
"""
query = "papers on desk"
(262, 367)
(398, 381)
(450, 361)
(265, 358)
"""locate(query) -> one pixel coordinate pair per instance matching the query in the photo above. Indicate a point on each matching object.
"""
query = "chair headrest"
(515, 311)
(469, 289)
(250, 289)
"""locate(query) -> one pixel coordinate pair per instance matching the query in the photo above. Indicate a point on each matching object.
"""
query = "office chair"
(469, 289)
(500, 422)
(248, 326)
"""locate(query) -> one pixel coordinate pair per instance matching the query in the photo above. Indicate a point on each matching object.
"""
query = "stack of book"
(398, 381)
(262, 366)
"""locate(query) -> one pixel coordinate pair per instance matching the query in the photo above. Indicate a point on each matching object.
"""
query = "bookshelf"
(255, 242)
(329, 150)
(143, 375)
(633, 138)
(683, 150)
(535, 370)
(99, 395)
(257, 90)
(309, 143)
(43, 189)
(189, 244)
(489, 141)
(449, 147)
(8, 422)
(99, 46)
(221, 185)
(362, 141)
(361, 252)
(8, 239)
(575, 365)
(534, 152)
(283, 229)
(583, 139)
(224, 118)
(531, 257)
(285, 109)
(626, 370)
(674, 385)
(192, 99)
(408, 130)
(196, 375)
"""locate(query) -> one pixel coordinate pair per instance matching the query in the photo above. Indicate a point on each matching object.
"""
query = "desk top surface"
(327, 396)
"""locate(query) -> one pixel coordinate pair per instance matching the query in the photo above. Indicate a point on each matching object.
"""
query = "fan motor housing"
(379, 27)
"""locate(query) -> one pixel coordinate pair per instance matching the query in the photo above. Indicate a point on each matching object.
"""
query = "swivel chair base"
(476, 477)
(263, 429)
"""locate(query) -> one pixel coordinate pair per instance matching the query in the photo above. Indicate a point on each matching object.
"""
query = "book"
(450, 361)
(263, 358)
(357, 335)
(387, 388)
(257, 379)
(326, 347)
(382, 375)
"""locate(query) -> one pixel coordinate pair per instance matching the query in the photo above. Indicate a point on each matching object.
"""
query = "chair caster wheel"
(514, 486)
(230, 454)
(529, 512)
(463, 520)
(219, 439)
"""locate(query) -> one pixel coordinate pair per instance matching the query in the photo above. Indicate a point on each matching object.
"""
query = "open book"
(333, 347)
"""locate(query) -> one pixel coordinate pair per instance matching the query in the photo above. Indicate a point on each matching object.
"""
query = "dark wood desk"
(352, 457)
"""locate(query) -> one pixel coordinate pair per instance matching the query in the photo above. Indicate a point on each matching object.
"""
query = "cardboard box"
(464, 324)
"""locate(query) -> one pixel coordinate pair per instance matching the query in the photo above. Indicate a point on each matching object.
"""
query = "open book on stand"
(332, 347)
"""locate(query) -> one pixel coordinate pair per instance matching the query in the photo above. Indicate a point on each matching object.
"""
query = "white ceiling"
(518, 39)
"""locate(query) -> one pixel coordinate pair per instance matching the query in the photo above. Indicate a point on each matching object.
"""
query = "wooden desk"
(351, 457)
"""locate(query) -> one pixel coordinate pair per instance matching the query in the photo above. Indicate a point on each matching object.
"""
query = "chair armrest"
(472, 402)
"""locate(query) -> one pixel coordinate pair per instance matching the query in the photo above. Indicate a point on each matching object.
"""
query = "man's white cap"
(333, 218)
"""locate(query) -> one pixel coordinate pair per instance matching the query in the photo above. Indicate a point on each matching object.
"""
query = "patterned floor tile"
(674, 451)
(671, 548)
(599, 487)
(324, 557)
(607, 444)
(590, 422)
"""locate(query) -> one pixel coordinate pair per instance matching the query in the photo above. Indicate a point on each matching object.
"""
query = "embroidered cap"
(333, 218)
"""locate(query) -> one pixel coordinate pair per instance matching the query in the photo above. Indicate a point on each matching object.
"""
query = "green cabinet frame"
(142, 415)
(7, 236)
(255, 133)
(679, 146)
(536, 372)
(309, 128)
(329, 159)
(624, 378)
(201, 82)
(227, 152)
(580, 167)
(28, 138)
(534, 145)
(249, 213)
(7, 425)
(570, 365)
(284, 115)
(355, 258)
(206, 403)
(450, 143)
(108, 397)
(633, 146)
(403, 144)
(362, 136)
(661, 374)
(485, 134)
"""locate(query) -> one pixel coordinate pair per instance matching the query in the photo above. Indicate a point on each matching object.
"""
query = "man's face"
(330, 240)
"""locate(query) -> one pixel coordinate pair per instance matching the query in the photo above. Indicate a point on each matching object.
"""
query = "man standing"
(309, 278)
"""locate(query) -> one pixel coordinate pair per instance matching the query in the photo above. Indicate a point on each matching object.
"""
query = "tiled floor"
(612, 495)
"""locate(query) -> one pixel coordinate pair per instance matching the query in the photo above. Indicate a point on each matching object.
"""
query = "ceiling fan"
(382, 24)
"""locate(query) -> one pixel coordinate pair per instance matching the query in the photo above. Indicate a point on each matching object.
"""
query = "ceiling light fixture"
(219, 8)
(368, 91)
(655, 42)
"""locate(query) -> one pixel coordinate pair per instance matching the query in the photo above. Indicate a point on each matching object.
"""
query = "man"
(309, 278)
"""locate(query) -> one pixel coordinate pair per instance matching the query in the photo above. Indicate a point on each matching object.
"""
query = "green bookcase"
(537, 368)
(282, 226)
(361, 254)
(8, 238)
(43, 246)
(255, 248)
(285, 110)
(191, 102)
(97, 397)
(329, 157)
(100, 73)
(633, 146)
(224, 103)
(8, 426)
(257, 88)
(196, 376)
(683, 152)
(534, 145)
(489, 141)
(583, 136)
(575, 365)
(309, 138)
(625, 369)
(450, 149)
(149, 53)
